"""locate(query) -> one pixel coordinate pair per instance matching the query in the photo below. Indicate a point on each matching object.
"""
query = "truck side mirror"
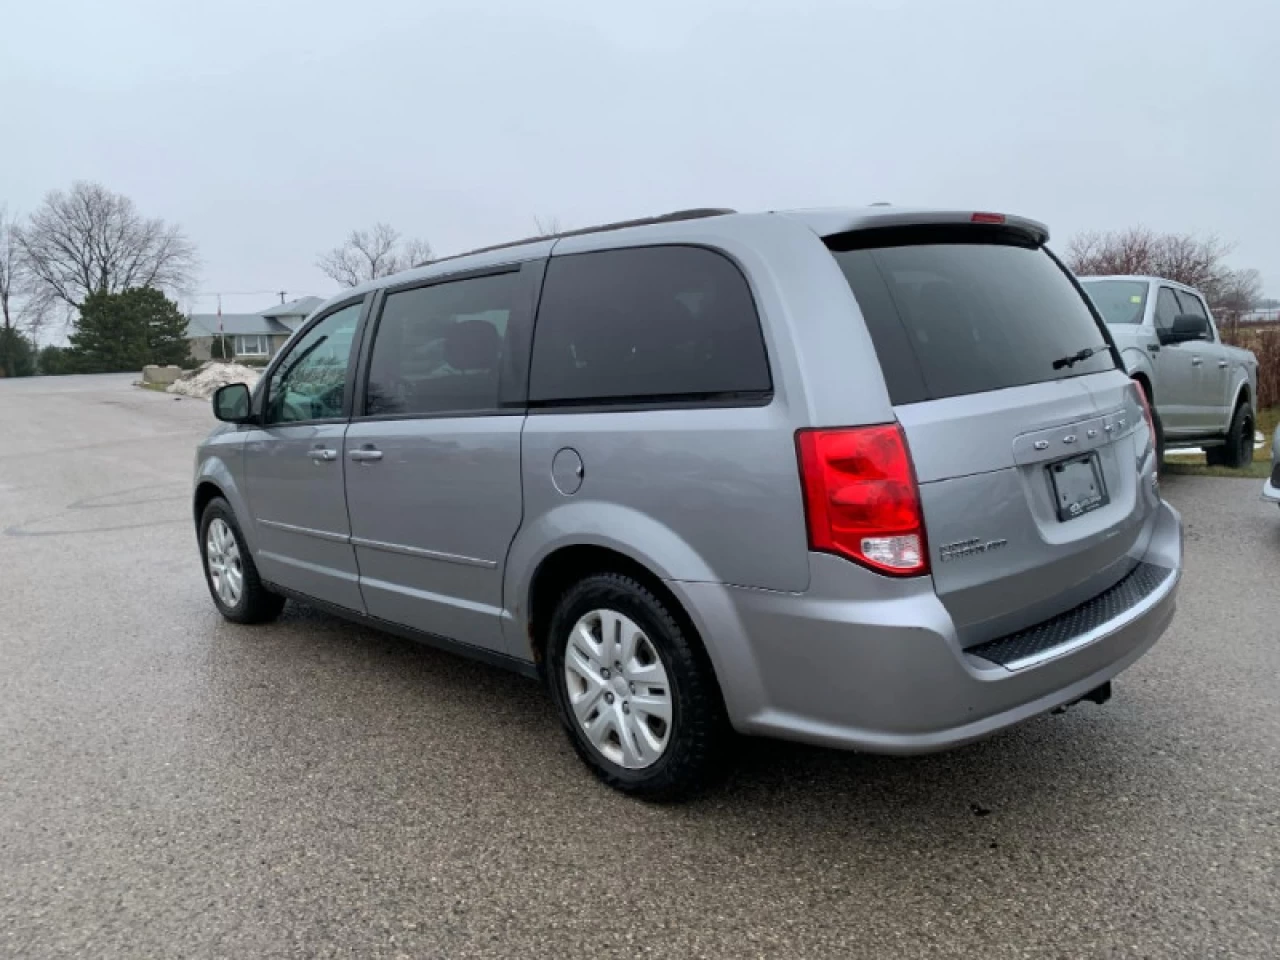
(1186, 327)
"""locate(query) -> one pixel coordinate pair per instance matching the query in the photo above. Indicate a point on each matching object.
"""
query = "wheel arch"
(1243, 394)
(206, 490)
(215, 479)
(1143, 379)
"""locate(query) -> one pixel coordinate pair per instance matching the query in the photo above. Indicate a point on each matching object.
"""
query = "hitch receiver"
(1099, 694)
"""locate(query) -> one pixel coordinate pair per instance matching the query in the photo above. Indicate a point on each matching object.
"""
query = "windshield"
(1119, 301)
(954, 312)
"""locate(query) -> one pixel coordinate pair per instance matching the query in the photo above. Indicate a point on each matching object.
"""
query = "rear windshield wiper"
(1079, 355)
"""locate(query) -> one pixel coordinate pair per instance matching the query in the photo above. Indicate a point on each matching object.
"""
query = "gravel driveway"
(174, 786)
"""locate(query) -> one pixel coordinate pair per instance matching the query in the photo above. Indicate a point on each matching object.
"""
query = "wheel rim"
(618, 689)
(226, 572)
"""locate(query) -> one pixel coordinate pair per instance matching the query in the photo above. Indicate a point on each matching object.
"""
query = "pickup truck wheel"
(1238, 451)
(1156, 422)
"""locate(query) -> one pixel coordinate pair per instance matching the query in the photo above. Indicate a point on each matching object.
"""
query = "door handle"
(1196, 362)
(321, 455)
(1222, 364)
(365, 455)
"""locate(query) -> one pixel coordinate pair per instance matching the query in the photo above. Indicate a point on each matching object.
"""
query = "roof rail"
(696, 213)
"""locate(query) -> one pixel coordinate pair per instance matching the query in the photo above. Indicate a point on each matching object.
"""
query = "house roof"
(301, 307)
(233, 324)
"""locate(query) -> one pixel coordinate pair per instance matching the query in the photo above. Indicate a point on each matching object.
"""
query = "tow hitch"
(1100, 694)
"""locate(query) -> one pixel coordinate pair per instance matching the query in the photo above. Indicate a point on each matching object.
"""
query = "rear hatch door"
(1027, 440)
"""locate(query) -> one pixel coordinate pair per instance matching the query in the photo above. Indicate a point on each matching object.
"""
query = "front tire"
(1237, 452)
(634, 690)
(229, 570)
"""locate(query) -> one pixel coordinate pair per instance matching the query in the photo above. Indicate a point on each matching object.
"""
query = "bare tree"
(12, 279)
(547, 226)
(90, 239)
(1241, 293)
(369, 254)
(417, 253)
(1198, 262)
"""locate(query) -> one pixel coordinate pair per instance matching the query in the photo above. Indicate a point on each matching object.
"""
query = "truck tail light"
(861, 498)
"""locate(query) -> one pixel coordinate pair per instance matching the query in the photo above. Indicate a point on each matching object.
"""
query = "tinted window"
(977, 312)
(646, 323)
(439, 349)
(1167, 308)
(310, 383)
(1119, 301)
(1192, 304)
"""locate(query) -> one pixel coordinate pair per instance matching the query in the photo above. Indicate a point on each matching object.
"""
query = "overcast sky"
(268, 130)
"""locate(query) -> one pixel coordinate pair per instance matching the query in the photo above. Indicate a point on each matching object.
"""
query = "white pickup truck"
(1201, 390)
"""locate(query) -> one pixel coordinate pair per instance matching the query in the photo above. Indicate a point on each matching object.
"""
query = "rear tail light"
(1151, 425)
(861, 498)
(987, 218)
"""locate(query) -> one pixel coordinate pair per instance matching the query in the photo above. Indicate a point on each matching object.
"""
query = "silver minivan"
(870, 478)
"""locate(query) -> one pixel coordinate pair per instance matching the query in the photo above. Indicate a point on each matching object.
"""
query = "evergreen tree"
(222, 348)
(17, 353)
(108, 337)
(126, 331)
(166, 326)
(53, 361)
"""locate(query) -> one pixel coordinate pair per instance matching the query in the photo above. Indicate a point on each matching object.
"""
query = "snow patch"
(203, 381)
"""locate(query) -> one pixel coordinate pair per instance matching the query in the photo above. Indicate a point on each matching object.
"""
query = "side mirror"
(231, 403)
(1186, 327)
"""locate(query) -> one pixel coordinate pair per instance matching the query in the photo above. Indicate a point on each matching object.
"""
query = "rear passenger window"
(644, 324)
(439, 349)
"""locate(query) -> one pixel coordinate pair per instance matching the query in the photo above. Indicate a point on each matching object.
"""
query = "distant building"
(1263, 315)
(292, 314)
(251, 336)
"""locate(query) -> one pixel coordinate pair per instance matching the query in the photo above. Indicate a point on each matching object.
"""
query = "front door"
(1177, 373)
(1210, 372)
(433, 461)
(294, 466)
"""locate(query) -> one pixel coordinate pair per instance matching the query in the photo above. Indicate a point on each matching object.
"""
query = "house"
(292, 314)
(251, 336)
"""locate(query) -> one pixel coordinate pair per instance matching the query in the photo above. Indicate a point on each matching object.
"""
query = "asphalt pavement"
(175, 786)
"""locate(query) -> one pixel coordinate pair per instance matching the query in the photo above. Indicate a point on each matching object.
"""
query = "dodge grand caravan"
(868, 478)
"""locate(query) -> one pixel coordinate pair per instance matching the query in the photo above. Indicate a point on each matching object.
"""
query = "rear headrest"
(472, 345)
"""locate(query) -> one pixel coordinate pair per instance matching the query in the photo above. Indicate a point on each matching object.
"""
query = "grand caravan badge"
(968, 548)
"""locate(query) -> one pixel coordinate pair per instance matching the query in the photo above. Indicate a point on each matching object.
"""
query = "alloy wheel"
(222, 552)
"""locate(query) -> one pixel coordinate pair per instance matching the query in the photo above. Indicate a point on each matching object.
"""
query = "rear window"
(955, 311)
(1119, 301)
(646, 324)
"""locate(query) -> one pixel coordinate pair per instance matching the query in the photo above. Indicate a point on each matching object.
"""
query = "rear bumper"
(861, 662)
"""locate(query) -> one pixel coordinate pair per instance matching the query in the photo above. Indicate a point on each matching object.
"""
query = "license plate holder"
(1077, 486)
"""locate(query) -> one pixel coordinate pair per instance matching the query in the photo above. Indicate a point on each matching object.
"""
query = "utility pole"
(282, 297)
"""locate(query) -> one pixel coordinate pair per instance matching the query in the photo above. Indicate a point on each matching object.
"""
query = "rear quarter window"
(646, 324)
(956, 311)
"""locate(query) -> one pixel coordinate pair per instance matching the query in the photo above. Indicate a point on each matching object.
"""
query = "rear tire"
(623, 644)
(1237, 453)
(1156, 422)
(229, 570)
